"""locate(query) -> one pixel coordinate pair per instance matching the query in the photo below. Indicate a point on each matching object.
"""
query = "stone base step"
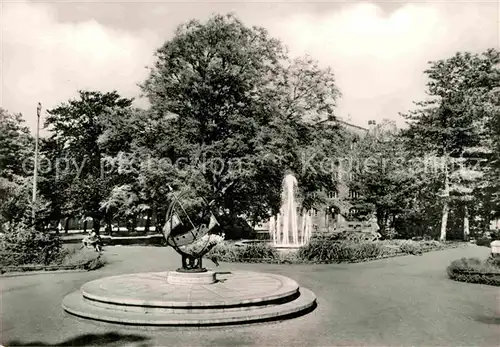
(77, 305)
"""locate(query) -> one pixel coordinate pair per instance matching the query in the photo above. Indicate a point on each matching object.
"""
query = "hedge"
(473, 270)
(323, 249)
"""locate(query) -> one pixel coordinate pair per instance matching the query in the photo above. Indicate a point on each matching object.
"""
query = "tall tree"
(76, 127)
(16, 167)
(239, 106)
(447, 124)
(15, 145)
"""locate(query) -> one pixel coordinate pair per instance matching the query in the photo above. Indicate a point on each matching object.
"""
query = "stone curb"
(39, 272)
(24, 270)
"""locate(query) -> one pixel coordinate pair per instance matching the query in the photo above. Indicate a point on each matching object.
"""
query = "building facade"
(339, 213)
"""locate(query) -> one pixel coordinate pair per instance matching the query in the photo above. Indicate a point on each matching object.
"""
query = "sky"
(377, 50)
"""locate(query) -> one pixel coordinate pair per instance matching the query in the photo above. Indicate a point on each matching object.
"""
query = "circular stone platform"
(154, 299)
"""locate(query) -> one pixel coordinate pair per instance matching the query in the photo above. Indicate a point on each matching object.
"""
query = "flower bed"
(323, 250)
(69, 259)
(473, 270)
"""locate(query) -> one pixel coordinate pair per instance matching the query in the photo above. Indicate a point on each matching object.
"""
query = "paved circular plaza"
(149, 299)
(403, 301)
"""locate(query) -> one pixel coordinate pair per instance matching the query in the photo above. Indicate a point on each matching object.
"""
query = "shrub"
(473, 270)
(484, 241)
(327, 252)
(22, 245)
(258, 251)
(495, 235)
(224, 251)
(323, 248)
(95, 263)
(494, 260)
(290, 257)
(411, 247)
(229, 252)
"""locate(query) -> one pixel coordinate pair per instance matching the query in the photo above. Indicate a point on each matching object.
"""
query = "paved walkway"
(401, 301)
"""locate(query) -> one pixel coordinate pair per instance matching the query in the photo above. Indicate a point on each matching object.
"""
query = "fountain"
(284, 227)
(191, 295)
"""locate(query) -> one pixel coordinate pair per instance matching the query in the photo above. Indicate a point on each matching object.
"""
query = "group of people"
(93, 240)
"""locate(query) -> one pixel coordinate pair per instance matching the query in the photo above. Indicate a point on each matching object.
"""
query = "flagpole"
(35, 169)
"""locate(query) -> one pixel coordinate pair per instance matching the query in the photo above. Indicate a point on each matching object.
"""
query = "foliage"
(15, 152)
(16, 145)
(494, 260)
(410, 247)
(83, 258)
(453, 122)
(322, 249)
(495, 235)
(386, 184)
(232, 113)
(22, 245)
(323, 252)
(484, 241)
(237, 110)
(473, 270)
(78, 187)
(229, 252)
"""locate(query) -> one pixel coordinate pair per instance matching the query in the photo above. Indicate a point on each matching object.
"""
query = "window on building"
(353, 194)
(333, 194)
(334, 211)
(335, 173)
(315, 212)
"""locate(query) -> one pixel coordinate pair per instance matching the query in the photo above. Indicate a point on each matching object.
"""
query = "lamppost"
(35, 168)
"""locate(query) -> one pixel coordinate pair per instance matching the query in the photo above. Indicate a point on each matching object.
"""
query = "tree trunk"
(466, 224)
(446, 206)
(444, 221)
(487, 221)
(148, 221)
(160, 220)
(134, 224)
(381, 221)
(96, 225)
(66, 225)
(85, 226)
(109, 228)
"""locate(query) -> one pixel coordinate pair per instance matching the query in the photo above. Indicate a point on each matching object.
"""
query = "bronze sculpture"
(191, 235)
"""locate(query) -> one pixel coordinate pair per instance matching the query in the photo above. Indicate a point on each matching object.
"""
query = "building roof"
(348, 126)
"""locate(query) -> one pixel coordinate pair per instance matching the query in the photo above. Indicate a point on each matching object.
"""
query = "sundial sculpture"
(192, 235)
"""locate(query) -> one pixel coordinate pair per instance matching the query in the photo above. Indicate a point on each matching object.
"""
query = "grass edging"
(88, 265)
